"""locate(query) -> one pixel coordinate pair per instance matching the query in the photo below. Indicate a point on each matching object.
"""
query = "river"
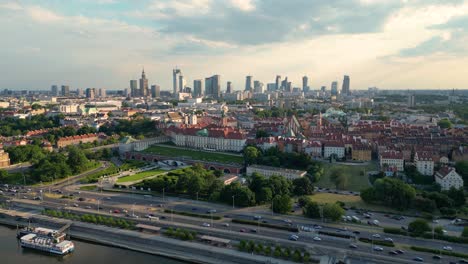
(85, 253)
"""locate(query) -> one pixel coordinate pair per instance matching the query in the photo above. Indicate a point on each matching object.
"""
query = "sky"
(390, 44)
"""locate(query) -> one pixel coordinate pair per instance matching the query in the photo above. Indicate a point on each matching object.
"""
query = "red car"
(116, 212)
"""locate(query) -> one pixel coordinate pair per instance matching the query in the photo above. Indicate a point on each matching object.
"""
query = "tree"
(368, 195)
(312, 210)
(282, 204)
(393, 192)
(441, 199)
(264, 195)
(424, 204)
(315, 171)
(77, 159)
(250, 155)
(334, 212)
(419, 227)
(462, 168)
(439, 230)
(279, 185)
(465, 232)
(302, 186)
(339, 178)
(243, 195)
(3, 176)
(303, 200)
(444, 123)
(457, 195)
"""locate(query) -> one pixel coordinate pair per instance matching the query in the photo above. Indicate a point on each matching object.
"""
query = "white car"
(206, 225)
(377, 248)
(376, 236)
(448, 248)
(226, 224)
(317, 239)
(388, 239)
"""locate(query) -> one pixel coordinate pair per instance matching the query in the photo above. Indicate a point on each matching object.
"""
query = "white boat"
(47, 244)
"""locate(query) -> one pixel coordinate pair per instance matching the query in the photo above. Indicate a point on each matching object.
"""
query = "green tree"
(457, 195)
(444, 123)
(394, 192)
(303, 200)
(279, 185)
(439, 230)
(465, 232)
(462, 169)
(315, 171)
(334, 212)
(261, 134)
(264, 195)
(419, 227)
(302, 186)
(250, 155)
(368, 195)
(312, 210)
(339, 178)
(3, 176)
(77, 160)
(282, 204)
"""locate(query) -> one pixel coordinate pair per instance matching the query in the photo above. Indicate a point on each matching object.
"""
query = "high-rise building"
(323, 88)
(411, 100)
(65, 90)
(271, 87)
(345, 88)
(305, 84)
(102, 92)
(134, 88)
(248, 83)
(79, 92)
(143, 84)
(90, 93)
(155, 91)
(334, 88)
(213, 86)
(197, 88)
(181, 83)
(54, 90)
(258, 87)
(278, 82)
(229, 87)
(175, 81)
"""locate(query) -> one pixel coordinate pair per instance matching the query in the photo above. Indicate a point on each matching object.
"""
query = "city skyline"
(390, 44)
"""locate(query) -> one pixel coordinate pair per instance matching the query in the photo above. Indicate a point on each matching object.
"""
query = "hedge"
(442, 252)
(256, 223)
(393, 230)
(377, 242)
(214, 217)
(334, 234)
(453, 239)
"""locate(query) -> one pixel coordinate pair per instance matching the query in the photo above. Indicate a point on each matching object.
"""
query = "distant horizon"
(106, 43)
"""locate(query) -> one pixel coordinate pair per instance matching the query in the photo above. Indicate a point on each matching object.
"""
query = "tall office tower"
(79, 92)
(284, 84)
(65, 90)
(278, 82)
(271, 87)
(258, 87)
(213, 86)
(143, 84)
(134, 88)
(248, 83)
(411, 100)
(229, 87)
(54, 90)
(345, 87)
(155, 91)
(102, 92)
(305, 84)
(90, 93)
(323, 88)
(181, 83)
(197, 88)
(334, 88)
(175, 81)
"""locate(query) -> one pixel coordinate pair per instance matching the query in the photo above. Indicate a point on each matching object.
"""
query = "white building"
(336, 148)
(447, 177)
(391, 159)
(314, 149)
(424, 163)
(268, 171)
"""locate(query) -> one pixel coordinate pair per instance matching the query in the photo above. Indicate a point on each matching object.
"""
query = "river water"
(85, 253)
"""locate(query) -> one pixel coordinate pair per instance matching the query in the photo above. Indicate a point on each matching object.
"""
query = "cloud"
(244, 5)
(43, 15)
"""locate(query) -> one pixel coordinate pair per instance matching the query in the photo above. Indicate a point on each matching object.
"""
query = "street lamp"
(233, 201)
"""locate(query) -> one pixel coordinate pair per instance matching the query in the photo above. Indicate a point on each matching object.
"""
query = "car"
(418, 259)
(75, 205)
(88, 207)
(436, 257)
(352, 246)
(287, 221)
(388, 239)
(206, 225)
(264, 221)
(376, 236)
(393, 252)
(404, 228)
(242, 230)
(448, 248)
(194, 209)
(226, 224)
(211, 211)
(163, 217)
(464, 261)
(253, 230)
(81, 199)
(125, 211)
(116, 211)
(293, 238)
(317, 239)
(356, 232)
(317, 227)
(399, 251)
(108, 198)
(25, 197)
(37, 198)
(257, 217)
(377, 248)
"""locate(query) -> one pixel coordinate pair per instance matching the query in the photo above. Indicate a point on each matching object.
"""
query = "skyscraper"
(90, 93)
(248, 83)
(79, 92)
(197, 88)
(305, 84)
(143, 84)
(258, 87)
(229, 87)
(175, 81)
(54, 90)
(411, 100)
(181, 83)
(155, 91)
(345, 88)
(102, 92)
(334, 88)
(278, 82)
(213, 86)
(65, 90)
(134, 88)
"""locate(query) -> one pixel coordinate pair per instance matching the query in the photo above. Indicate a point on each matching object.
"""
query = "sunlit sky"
(391, 44)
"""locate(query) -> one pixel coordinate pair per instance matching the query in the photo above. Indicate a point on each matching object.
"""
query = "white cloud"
(11, 6)
(183, 8)
(244, 5)
(43, 15)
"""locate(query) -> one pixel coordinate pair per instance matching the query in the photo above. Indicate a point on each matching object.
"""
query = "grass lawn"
(357, 181)
(195, 154)
(350, 201)
(140, 175)
(88, 188)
